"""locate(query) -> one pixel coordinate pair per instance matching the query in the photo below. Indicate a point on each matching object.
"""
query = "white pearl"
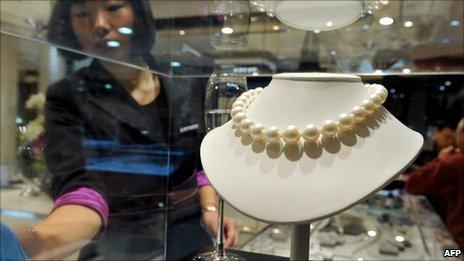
(310, 133)
(273, 134)
(238, 118)
(245, 125)
(236, 110)
(376, 99)
(259, 89)
(239, 103)
(329, 128)
(257, 131)
(291, 135)
(345, 121)
(242, 99)
(358, 113)
(368, 105)
(383, 95)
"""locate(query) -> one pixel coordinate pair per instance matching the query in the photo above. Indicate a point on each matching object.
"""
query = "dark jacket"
(98, 136)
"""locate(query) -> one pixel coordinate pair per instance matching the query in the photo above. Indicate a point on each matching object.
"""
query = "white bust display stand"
(300, 184)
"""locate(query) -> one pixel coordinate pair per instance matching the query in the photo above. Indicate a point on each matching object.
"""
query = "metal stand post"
(299, 242)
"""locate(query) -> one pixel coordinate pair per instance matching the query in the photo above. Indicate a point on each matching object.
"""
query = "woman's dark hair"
(60, 31)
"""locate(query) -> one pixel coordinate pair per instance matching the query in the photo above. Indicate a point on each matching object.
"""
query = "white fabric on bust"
(303, 183)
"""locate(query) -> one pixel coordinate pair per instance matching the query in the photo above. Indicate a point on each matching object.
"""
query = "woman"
(122, 145)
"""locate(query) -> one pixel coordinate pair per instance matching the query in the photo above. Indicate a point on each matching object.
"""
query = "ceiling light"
(406, 70)
(113, 43)
(175, 64)
(408, 24)
(371, 233)
(454, 23)
(125, 30)
(227, 30)
(448, 83)
(329, 24)
(386, 20)
(181, 32)
(275, 27)
(317, 31)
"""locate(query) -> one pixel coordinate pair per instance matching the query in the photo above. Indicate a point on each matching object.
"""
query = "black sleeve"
(64, 149)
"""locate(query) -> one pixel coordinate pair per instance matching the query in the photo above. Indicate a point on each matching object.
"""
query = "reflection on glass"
(232, 22)
(222, 90)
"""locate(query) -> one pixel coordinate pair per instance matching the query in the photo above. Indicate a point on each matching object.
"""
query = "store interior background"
(419, 58)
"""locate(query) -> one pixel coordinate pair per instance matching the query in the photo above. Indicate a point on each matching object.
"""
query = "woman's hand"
(209, 219)
(446, 152)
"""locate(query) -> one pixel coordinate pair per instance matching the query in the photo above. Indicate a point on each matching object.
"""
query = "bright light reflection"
(406, 70)
(378, 71)
(227, 30)
(125, 30)
(275, 27)
(113, 43)
(408, 24)
(447, 83)
(441, 88)
(181, 32)
(399, 238)
(386, 20)
(316, 31)
(175, 64)
(454, 23)
(365, 26)
(384, 2)
(329, 23)
(371, 233)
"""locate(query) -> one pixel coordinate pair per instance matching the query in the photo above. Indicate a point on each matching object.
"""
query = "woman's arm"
(207, 197)
(66, 230)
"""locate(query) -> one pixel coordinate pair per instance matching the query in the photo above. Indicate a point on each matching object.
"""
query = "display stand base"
(299, 242)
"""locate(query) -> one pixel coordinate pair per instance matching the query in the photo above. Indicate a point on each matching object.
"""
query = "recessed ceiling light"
(454, 23)
(329, 24)
(113, 43)
(125, 30)
(175, 64)
(386, 20)
(406, 70)
(227, 30)
(408, 24)
(181, 32)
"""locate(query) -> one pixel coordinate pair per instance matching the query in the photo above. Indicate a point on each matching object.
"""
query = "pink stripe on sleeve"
(85, 197)
(202, 180)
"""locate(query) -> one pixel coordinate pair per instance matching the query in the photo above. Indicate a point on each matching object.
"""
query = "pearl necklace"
(291, 135)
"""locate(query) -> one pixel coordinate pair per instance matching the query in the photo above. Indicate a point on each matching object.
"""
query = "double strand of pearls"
(311, 133)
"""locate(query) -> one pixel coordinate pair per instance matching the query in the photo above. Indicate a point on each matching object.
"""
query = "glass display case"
(79, 109)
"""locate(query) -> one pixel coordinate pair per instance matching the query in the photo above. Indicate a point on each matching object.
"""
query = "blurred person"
(122, 145)
(443, 179)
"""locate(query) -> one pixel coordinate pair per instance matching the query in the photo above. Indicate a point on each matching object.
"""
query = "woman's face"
(103, 27)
